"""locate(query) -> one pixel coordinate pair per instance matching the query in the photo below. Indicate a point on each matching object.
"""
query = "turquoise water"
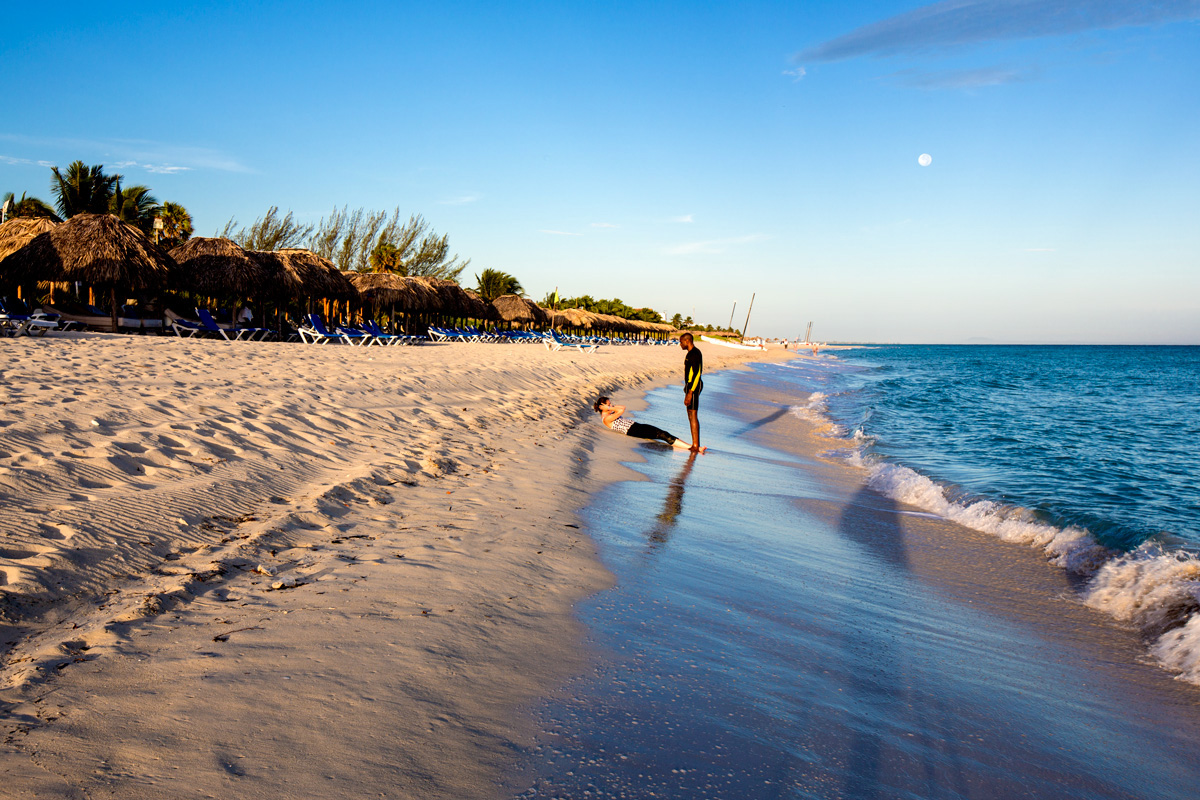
(756, 645)
(1103, 438)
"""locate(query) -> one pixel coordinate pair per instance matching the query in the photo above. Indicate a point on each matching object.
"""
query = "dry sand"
(267, 570)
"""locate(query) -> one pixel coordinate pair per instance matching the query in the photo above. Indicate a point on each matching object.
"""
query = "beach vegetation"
(177, 225)
(614, 308)
(82, 189)
(135, 205)
(357, 240)
(493, 283)
(28, 206)
(271, 231)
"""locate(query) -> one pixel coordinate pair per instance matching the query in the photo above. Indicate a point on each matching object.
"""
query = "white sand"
(266, 570)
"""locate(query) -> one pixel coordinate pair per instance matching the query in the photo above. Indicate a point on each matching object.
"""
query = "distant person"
(693, 366)
(612, 419)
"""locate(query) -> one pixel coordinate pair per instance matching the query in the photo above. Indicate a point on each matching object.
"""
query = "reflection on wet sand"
(672, 505)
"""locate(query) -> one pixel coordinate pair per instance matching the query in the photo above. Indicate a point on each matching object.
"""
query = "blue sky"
(676, 156)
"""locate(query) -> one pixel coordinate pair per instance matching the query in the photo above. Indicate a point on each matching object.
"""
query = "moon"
(925, 159)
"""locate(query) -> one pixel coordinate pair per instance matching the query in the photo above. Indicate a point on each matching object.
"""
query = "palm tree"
(177, 225)
(28, 207)
(134, 205)
(82, 189)
(493, 283)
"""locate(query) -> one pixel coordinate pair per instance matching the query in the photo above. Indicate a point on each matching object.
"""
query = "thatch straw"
(383, 288)
(318, 276)
(96, 249)
(512, 308)
(20, 231)
(279, 281)
(215, 267)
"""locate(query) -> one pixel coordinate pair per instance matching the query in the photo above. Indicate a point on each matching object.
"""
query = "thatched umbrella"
(215, 266)
(96, 249)
(381, 288)
(20, 231)
(480, 308)
(512, 308)
(574, 317)
(280, 282)
(317, 275)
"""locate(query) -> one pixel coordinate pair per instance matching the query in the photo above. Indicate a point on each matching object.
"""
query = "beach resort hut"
(318, 276)
(96, 249)
(518, 310)
(217, 267)
(20, 231)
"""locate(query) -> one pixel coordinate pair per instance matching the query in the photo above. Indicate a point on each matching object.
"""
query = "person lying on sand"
(611, 417)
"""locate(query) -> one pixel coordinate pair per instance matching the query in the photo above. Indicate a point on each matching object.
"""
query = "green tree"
(135, 205)
(177, 225)
(493, 283)
(386, 258)
(28, 206)
(677, 321)
(82, 189)
(269, 232)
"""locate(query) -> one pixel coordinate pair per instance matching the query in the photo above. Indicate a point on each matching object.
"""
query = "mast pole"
(747, 325)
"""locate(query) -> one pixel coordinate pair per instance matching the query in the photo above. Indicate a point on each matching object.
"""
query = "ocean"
(1089, 452)
(777, 630)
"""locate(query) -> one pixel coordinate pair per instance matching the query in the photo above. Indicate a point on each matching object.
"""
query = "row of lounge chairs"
(370, 333)
(17, 319)
(552, 340)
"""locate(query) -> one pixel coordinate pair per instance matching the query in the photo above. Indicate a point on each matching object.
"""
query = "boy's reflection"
(672, 505)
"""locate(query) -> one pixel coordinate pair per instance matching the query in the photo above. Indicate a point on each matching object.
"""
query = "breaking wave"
(1154, 588)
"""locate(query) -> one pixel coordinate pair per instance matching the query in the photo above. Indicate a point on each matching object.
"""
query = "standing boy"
(693, 366)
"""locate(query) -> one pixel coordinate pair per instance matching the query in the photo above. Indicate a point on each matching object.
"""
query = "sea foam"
(1151, 588)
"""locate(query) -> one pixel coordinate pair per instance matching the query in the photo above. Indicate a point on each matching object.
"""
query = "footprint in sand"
(57, 532)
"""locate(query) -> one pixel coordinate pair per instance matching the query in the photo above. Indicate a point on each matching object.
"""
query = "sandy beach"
(263, 570)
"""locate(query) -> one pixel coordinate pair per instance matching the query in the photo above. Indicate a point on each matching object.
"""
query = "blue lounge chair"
(316, 332)
(372, 328)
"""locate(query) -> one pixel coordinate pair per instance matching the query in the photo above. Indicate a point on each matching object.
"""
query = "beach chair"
(377, 333)
(554, 342)
(209, 325)
(316, 332)
(17, 320)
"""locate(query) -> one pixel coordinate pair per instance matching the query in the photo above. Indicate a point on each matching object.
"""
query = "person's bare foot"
(695, 449)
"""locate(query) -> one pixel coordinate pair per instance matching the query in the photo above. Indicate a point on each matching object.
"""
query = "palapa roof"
(513, 308)
(281, 282)
(215, 266)
(20, 231)
(317, 275)
(96, 249)
(382, 288)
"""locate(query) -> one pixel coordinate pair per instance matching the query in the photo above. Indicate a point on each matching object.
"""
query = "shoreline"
(257, 548)
(787, 623)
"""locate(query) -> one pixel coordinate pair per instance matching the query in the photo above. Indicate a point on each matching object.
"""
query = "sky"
(681, 156)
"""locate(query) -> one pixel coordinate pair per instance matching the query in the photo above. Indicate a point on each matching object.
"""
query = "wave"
(1155, 589)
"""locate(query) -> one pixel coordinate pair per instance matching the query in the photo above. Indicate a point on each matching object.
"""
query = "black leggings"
(643, 431)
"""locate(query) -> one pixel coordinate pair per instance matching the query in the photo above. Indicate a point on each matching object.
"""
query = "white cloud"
(797, 74)
(559, 233)
(710, 246)
(156, 157)
(684, 218)
(961, 22)
(461, 200)
(604, 225)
